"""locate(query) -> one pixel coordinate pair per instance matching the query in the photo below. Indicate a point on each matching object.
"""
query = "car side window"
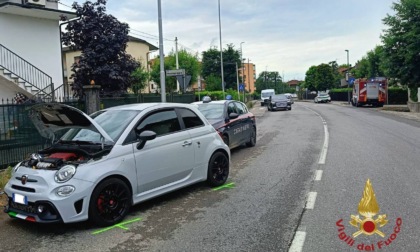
(190, 118)
(231, 108)
(161, 122)
(239, 108)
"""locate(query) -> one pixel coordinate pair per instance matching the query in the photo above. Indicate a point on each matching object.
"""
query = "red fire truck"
(369, 92)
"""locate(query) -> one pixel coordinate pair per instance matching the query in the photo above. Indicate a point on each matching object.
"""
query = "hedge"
(395, 95)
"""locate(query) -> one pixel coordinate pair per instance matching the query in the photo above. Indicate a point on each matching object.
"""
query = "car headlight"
(65, 173)
(16, 168)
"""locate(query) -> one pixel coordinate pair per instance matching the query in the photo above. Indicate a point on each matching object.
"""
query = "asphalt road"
(266, 208)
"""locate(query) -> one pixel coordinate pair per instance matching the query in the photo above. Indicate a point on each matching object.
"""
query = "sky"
(287, 36)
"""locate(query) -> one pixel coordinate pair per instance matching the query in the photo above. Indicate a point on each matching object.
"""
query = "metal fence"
(19, 137)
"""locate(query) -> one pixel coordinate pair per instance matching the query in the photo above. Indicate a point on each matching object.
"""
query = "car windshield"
(114, 122)
(212, 110)
(279, 97)
(267, 94)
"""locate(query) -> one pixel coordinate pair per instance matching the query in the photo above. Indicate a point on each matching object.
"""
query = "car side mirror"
(233, 115)
(145, 136)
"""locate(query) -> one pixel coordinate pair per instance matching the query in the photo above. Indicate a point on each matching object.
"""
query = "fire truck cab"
(369, 92)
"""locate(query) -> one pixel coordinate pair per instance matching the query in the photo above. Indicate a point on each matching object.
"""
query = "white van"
(265, 96)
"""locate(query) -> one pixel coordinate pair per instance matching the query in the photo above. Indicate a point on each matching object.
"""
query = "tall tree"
(310, 78)
(211, 65)
(319, 78)
(402, 43)
(139, 79)
(269, 80)
(186, 61)
(102, 40)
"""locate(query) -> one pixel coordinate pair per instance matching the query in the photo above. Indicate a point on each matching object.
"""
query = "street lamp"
(161, 56)
(221, 52)
(347, 77)
(243, 72)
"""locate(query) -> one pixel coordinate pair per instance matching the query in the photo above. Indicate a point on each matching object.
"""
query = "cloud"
(284, 35)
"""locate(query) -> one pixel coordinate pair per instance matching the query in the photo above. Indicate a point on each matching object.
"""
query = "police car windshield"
(211, 110)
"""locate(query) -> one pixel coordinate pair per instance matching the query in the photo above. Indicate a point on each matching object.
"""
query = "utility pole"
(348, 83)
(221, 53)
(162, 60)
(176, 59)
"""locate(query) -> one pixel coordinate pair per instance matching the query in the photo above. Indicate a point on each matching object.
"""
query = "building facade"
(248, 74)
(30, 48)
(139, 49)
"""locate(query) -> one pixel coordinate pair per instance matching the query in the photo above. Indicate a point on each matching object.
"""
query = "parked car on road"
(279, 102)
(289, 97)
(322, 97)
(232, 120)
(113, 159)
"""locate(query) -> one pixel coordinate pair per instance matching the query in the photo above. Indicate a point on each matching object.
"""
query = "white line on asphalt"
(310, 203)
(324, 150)
(298, 241)
(318, 175)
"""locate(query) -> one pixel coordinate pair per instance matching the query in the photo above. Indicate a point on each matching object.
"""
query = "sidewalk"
(396, 110)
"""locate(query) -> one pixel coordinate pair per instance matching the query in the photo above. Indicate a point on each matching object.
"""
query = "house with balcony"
(139, 49)
(30, 52)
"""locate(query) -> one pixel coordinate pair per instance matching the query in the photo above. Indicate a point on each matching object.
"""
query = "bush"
(4, 177)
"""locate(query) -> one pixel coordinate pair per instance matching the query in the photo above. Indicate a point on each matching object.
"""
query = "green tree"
(213, 83)
(269, 80)
(324, 77)
(310, 78)
(186, 61)
(319, 78)
(139, 79)
(371, 65)
(103, 41)
(211, 65)
(401, 41)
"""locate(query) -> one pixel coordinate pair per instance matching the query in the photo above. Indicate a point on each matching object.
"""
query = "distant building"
(139, 49)
(30, 48)
(293, 83)
(248, 74)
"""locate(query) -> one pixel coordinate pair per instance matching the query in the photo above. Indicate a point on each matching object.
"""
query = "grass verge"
(5, 176)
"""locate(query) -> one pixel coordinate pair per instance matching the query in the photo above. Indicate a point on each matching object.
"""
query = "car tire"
(110, 202)
(218, 169)
(252, 139)
(290, 108)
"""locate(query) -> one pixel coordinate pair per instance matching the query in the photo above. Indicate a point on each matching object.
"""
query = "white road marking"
(298, 242)
(318, 175)
(310, 203)
(324, 150)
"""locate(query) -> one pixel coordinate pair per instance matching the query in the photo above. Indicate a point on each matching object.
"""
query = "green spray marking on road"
(229, 185)
(119, 225)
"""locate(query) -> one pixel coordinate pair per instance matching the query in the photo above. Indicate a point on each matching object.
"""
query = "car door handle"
(186, 143)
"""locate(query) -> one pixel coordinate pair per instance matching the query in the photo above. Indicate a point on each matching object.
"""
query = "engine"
(53, 161)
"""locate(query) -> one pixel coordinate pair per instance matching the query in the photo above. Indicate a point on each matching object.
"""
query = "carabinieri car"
(232, 120)
(116, 158)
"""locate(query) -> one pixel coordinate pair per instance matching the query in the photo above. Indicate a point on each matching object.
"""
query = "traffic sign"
(241, 87)
(176, 72)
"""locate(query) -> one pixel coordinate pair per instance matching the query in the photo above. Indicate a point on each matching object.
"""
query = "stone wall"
(414, 106)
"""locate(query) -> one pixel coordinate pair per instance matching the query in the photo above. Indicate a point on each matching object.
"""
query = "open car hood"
(49, 118)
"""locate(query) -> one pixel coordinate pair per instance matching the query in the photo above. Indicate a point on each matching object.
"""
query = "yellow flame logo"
(368, 207)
